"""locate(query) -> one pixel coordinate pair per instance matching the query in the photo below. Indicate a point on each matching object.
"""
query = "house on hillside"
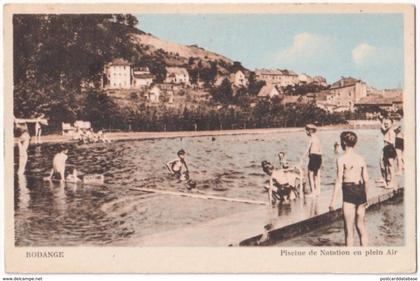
(305, 78)
(373, 103)
(268, 91)
(142, 77)
(277, 76)
(177, 75)
(347, 91)
(154, 94)
(320, 80)
(238, 79)
(118, 74)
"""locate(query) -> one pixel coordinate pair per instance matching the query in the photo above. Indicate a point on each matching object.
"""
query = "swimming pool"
(54, 214)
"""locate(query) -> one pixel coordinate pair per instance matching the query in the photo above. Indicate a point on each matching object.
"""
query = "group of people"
(352, 174)
(87, 136)
(351, 177)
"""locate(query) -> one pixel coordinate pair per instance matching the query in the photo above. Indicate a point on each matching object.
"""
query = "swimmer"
(278, 187)
(336, 148)
(72, 177)
(178, 167)
(59, 164)
(353, 179)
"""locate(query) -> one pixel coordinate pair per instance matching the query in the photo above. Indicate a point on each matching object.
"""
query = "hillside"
(183, 51)
(175, 54)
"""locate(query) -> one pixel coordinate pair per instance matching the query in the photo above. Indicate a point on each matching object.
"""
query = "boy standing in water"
(389, 152)
(178, 167)
(23, 143)
(352, 177)
(315, 159)
(59, 164)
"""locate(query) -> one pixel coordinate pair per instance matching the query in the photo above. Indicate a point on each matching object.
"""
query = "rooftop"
(266, 90)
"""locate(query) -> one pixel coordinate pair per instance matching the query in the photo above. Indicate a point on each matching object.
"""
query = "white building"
(142, 77)
(239, 79)
(177, 75)
(280, 77)
(154, 94)
(118, 73)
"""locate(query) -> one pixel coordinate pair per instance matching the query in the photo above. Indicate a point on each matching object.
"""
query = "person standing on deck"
(315, 159)
(23, 144)
(352, 177)
(399, 147)
(389, 153)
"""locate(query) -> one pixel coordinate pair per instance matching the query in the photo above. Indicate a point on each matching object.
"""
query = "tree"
(254, 85)
(54, 55)
(223, 93)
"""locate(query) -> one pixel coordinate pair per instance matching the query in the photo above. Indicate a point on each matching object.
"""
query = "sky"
(365, 46)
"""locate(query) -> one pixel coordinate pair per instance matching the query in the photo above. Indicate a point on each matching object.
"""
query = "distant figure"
(213, 138)
(23, 144)
(283, 160)
(278, 185)
(178, 167)
(389, 153)
(59, 164)
(38, 128)
(399, 147)
(352, 177)
(336, 148)
(315, 159)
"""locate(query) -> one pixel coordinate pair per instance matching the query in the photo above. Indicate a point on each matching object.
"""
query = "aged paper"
(169, 138)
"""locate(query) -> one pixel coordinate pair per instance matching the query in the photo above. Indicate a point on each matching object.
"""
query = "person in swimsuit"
(315, 159)
(178, 167)
(389, 153)
(399, 147)
(278, 186)
(23, 144)
(352, 177)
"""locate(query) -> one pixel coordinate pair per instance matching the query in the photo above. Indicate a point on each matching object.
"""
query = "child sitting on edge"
(352, 177)
(278, 187)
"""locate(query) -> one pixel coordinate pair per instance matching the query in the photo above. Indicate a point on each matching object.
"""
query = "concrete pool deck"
(246, 228)
(117, 136)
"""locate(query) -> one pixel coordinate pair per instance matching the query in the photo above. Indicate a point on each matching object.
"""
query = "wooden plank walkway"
(245, 228)
(201, 196)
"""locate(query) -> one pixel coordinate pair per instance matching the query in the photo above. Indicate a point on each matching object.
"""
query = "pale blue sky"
(366, 46)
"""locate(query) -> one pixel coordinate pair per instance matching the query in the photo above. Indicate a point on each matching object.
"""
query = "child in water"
(178, 167)
(72, 177)
(389, 153)
(278, 187)
(352, 177)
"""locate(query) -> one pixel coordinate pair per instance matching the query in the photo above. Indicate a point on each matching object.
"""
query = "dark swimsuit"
(315, 161)
(354, 193)
(399, 143)
(389, 152)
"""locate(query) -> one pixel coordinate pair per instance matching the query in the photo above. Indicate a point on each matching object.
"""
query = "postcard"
(209, 138)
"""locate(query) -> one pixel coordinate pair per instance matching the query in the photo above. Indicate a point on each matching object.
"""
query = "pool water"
(384, 225)
(57, 214)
